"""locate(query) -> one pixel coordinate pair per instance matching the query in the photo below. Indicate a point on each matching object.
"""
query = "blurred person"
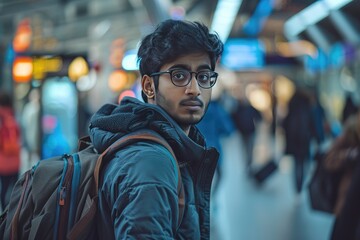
(320, 120)
(30, 121)
(342, 157)
(321, 125)
(298, 126)
(54, 142)
(138, 194)
(246, 118)
(343, 160)
(216, 125)
(9, 147)
(346, 224)
(84, 114)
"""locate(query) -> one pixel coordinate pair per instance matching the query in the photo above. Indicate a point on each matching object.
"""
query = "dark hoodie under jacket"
(138, 194)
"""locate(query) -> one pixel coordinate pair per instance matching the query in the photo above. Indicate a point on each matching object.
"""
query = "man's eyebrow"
(204, 66)
(181, 66)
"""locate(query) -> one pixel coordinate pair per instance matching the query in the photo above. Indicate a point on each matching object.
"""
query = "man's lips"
(192, 103)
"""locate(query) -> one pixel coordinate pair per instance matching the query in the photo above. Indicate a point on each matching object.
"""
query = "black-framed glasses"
(181, 77)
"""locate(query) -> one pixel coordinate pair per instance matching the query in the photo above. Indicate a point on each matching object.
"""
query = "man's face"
(186, 105)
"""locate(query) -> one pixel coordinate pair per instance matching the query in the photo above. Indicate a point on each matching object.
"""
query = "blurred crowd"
(304, 126)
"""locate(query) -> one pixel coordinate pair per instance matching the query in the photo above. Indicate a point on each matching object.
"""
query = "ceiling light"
(224, 16)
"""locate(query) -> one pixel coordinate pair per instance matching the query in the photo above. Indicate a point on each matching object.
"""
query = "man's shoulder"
(142, 147)
(140, 156)
(139, 164)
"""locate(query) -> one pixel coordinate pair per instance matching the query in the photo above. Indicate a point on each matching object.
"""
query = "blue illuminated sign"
(240, 54)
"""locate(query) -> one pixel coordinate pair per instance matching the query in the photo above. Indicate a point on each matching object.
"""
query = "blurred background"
(62, 59)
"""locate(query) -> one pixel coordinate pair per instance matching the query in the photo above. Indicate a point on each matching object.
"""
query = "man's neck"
(186, 129)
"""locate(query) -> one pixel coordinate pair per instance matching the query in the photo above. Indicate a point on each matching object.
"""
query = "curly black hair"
(173, 39)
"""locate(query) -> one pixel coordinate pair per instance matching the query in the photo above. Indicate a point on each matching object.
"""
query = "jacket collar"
(114, 121)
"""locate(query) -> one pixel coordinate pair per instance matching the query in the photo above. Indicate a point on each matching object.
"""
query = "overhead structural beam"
(318, 37)
(306, 20)
(345, 27)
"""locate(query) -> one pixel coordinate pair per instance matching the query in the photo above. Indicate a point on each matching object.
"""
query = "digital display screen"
(242, 54)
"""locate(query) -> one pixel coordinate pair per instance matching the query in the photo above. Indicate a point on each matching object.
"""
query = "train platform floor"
(242, 209)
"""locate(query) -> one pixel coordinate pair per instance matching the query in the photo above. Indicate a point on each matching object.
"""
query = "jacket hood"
(112, 121)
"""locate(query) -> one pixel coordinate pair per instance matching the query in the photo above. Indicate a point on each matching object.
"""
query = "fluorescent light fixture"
(314, 13)
(311, 15)
(294, 26)
(224, 16)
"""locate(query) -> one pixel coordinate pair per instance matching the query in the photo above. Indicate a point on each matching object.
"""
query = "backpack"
(57, 198)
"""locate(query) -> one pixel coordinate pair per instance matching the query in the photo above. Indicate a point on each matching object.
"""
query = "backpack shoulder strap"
(134, 137)
(81, 226)
(84, 142)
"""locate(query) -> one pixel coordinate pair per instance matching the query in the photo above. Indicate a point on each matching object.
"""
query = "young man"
(138, 194)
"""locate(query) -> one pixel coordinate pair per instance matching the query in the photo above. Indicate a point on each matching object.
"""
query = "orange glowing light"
(117, 52)
(78, 68)
(22, 38)
(117, 80)
(22, 69)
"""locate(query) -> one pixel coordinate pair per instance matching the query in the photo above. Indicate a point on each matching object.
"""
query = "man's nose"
(193, 87)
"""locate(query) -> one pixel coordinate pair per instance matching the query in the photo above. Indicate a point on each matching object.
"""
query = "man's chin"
(191, 120)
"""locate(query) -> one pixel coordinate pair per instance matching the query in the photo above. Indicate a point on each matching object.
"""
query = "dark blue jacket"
(138, 194)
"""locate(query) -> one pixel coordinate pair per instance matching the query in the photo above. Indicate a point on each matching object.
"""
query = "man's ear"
(148, 87)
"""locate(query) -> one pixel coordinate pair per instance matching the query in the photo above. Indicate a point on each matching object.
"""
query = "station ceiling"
(74, 24)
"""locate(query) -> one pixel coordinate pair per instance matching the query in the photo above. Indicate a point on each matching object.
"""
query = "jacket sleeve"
(142, 193)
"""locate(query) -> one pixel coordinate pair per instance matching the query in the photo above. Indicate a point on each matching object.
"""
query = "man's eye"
(179, 75)
(203, 77)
